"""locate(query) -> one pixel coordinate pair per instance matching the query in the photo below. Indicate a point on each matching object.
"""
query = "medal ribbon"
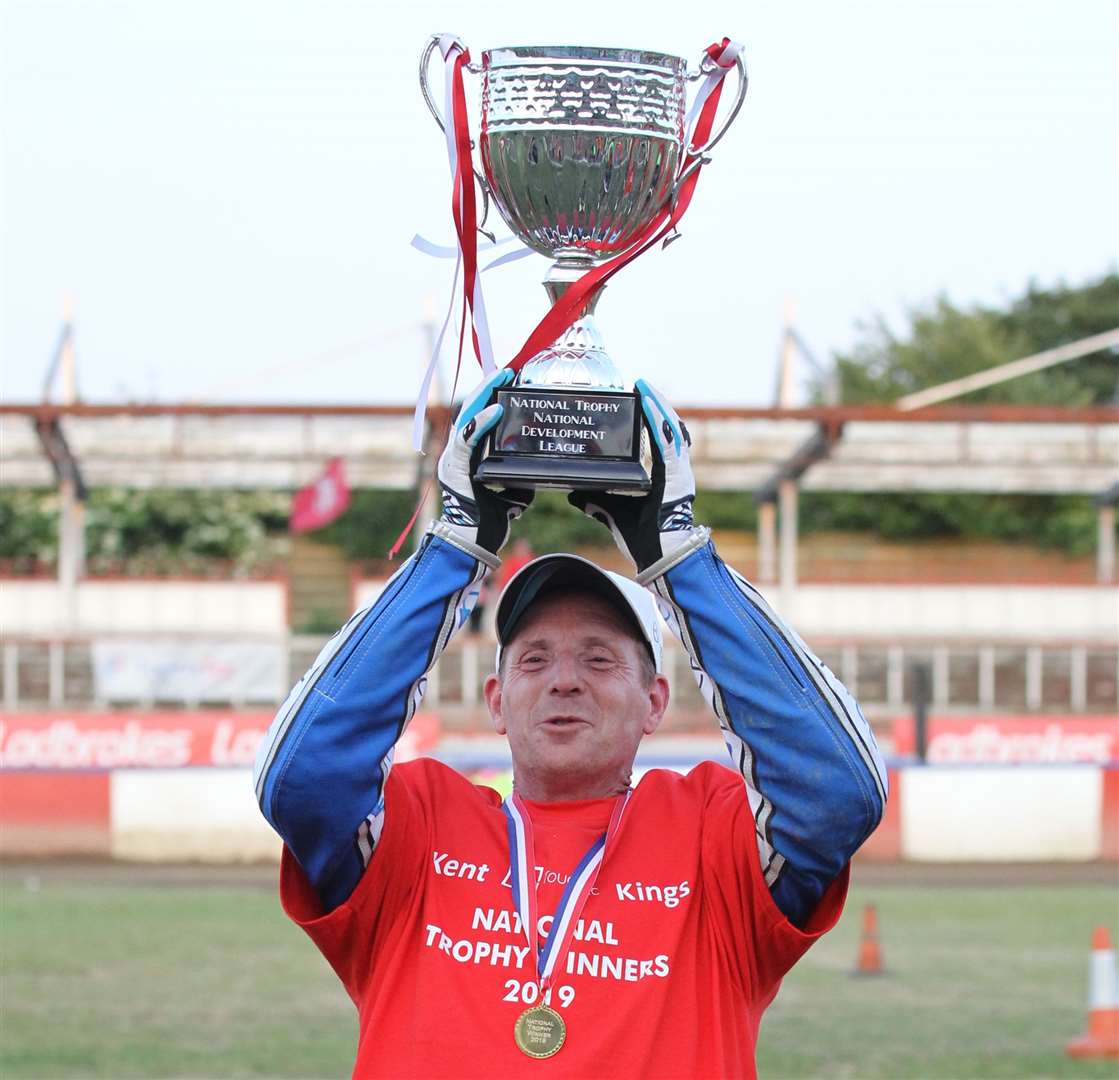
(570, 305)
(522, 865)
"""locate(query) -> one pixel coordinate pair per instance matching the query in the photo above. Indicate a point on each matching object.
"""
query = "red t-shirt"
(678, 951)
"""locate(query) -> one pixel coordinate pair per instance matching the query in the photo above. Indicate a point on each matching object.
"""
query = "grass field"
(106, 977)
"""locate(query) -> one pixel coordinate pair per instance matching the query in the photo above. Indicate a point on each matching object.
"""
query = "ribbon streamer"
(463, 196)
(440, 251)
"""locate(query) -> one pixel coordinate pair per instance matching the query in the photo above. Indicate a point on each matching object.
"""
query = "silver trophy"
(581, 149)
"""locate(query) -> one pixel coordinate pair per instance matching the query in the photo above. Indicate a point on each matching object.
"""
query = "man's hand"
(653, 525)
(478, 514)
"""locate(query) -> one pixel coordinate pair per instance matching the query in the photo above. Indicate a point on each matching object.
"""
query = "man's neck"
(573, 789)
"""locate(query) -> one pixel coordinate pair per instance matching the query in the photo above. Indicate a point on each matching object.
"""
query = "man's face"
(574, 699)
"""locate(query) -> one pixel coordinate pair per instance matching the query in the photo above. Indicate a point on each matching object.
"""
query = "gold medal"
(539, 1032)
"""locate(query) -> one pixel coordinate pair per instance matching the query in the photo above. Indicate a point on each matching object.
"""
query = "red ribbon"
(464, 207)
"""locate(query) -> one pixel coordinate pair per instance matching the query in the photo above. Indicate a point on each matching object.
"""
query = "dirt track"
(264, 875)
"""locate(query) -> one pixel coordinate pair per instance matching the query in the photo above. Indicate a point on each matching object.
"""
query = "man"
(584, 927)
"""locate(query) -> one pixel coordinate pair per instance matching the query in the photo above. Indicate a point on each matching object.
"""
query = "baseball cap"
(551, 573)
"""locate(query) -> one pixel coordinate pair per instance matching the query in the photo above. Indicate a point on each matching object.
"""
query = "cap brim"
(551, 573)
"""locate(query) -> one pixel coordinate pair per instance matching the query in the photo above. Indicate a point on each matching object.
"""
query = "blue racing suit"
(813, 774)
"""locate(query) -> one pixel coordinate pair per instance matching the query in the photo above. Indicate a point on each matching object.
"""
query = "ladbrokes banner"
(1014, 739)
(144, 740)
(155, 740)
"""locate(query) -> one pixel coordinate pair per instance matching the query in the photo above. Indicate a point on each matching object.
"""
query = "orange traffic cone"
(870, 954)
(1102, 1037)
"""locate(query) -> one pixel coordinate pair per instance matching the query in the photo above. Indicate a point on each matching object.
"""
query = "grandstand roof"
(868, 448)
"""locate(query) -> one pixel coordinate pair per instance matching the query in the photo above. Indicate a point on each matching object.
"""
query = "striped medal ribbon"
(540, 1031)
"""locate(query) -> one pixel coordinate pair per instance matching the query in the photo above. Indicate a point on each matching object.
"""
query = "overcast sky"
(228, 189)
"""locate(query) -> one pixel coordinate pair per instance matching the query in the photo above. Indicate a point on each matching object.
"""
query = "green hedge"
(160, 531)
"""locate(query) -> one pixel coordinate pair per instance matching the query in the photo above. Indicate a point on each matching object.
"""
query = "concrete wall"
(936, 814)
(946, 612)
(1080, 613)
(33, 607)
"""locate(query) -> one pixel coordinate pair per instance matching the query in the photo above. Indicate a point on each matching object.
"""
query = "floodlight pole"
(779, 509)
(71, 524)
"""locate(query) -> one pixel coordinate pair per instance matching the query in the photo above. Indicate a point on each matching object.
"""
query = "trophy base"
(507, 470)
(567, 438)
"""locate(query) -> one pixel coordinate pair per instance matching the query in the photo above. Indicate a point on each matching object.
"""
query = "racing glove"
(476, 514)
(654, 529)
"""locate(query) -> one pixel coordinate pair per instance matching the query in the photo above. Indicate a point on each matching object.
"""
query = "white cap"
(572, 572)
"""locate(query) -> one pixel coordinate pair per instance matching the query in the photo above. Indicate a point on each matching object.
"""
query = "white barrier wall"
(1089, 613)
(188, 815)
(1081, 613)
(34, 607)
(946, 612)
(988, 814)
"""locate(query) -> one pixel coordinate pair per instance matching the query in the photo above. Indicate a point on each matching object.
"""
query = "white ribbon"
(441, 251)
(420, 412)
(728, 58)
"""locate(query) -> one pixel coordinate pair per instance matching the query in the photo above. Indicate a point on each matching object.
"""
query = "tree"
(945, 342)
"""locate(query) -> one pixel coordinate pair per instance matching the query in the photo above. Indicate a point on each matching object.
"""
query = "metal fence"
(982, 676)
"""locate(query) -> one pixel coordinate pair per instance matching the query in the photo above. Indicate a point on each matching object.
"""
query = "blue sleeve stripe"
(321, 775)
(814, 779)
(741, 754)
(281, 725)
(840, 704)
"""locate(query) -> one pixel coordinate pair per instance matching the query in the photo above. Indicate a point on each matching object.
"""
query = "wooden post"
(986, 677)
(56, 674)
(922, 687)
(767, 542)
(1078, 678)
(895, 676)
(787, 496)
(11, 676)
(1033, 678)
(940, 680)
(1105, 544)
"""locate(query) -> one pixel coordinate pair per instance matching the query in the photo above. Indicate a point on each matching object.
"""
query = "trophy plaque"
(581, 149)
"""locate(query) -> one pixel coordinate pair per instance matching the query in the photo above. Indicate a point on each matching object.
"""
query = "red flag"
(322, 501)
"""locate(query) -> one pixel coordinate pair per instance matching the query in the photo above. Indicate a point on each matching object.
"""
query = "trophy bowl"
(580, 146)
(581, 149)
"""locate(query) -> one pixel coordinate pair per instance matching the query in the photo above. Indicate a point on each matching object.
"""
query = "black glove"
(650, 526)
(476, 513)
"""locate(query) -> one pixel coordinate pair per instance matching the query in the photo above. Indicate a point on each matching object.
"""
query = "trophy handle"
(425, 87)
(706, 64)
(433, 108)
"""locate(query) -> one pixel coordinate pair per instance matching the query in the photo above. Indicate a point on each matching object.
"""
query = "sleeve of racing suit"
(814, 775)
(320, 772)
